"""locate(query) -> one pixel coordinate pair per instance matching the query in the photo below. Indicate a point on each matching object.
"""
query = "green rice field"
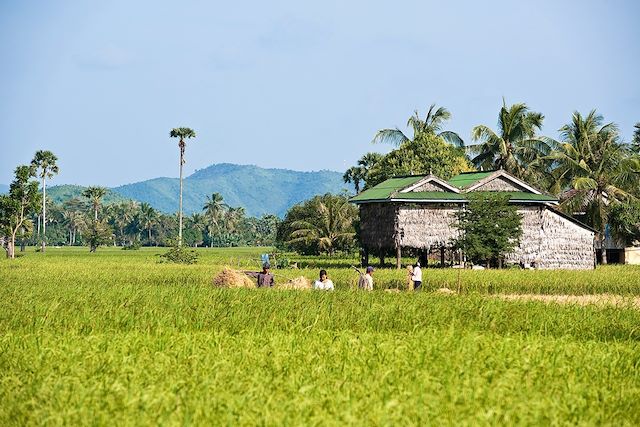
(115, 338)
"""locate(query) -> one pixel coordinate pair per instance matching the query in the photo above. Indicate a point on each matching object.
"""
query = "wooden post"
(398, 257)
(441, 256)
(382, 257)
(364, 260)
(423, 258)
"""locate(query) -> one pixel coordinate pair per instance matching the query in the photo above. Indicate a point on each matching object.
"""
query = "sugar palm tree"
(181, 133)
(514, 147)
(594, 168)
(45, 165)
(431, 125)
(95, 195)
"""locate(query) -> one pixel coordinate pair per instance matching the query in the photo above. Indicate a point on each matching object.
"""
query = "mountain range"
(259, 190)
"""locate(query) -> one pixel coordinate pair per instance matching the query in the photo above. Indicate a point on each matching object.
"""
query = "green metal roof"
(467, 179)
(383, 190)
(446, 196)
(390, 189)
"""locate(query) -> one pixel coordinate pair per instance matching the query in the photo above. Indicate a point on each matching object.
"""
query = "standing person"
(416, 276)
(324, 284)
(265, 278)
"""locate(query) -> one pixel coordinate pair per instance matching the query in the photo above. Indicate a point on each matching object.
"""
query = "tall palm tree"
(44, 162)
(514, 147)
(332, 226)
(214, 209)
(595, 169)
(181, 133)
(95, 195)
(431, 125)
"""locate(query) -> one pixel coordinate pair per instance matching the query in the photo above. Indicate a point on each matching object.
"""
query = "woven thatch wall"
(499, 184)
(548, 239)
(377, 225)
(552, 241)
(430, 186)
(422, 227)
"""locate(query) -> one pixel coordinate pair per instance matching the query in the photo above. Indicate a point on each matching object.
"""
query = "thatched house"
(418, 212)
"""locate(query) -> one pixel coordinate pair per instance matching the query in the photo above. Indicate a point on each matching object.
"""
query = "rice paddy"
(114, 338)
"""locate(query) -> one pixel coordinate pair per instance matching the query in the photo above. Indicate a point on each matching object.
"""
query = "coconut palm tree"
(593, 169)
(181, 133)
(122, 217)
(331, 226)
(355, 175)
(214, 209)
(197, 222)
(233, 218)
(635, 142)
(44, 162)
(74, 221)
(514, 147)
(95, 195)
(360, 173)
(148, 218)
(431, 125)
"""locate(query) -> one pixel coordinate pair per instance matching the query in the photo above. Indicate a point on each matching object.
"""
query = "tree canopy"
(490, 227)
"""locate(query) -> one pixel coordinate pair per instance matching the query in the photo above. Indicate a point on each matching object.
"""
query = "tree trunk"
(398, 257)
(181, 145)
(11, 247)
(603, 250)
(364, 262)
(44, 213)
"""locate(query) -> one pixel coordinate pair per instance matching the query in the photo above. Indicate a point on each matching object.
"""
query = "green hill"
(260, 191)
(62, 193)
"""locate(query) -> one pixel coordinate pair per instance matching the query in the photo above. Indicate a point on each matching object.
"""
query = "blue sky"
(290, 84)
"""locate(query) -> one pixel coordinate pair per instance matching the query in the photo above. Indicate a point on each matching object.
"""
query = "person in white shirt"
(324, 283)
(416, 276)
(368, 279)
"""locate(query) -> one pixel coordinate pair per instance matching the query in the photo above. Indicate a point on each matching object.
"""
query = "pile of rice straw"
(296, 283)
(229, 278)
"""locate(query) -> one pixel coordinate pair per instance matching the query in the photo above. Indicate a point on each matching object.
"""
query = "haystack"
(229, 278)
(296, 283)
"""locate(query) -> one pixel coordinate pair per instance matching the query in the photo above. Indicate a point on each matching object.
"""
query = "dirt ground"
(598, 299)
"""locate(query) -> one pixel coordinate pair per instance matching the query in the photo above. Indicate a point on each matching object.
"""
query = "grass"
(115, 338)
